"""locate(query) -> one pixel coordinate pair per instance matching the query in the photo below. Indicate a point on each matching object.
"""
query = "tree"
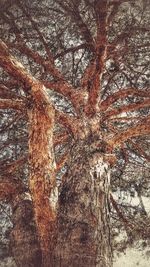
(70, 68)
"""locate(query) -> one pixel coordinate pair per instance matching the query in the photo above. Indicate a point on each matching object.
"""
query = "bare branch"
(61, 138)
(120, 214)
(62, 161)
(71, 49)
(142, 128)
(69, 122)
(7, 168)
(121, 94)
(126, 108)
(77, 18)
(6, 93)
(12, 104)
(93, 73)
(49, 54)
(13, 67)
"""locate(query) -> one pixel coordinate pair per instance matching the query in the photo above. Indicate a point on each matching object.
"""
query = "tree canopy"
(75, 71)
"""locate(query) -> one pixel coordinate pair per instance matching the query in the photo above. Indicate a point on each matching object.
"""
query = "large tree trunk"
(83, 215)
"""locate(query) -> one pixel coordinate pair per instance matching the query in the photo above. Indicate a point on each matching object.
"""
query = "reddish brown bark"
(126, 108)
(83, 215)
(92, 76)
(142, 128)
(42, 165)
(41, 161)
(122, 94)
(12, 104)
(9, 189)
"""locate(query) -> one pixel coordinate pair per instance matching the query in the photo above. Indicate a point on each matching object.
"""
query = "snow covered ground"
(133, 258)
(136, 256)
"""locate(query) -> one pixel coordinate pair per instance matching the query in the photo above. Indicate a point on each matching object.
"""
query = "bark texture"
(83, 215)
(42, 182)
(24, 243)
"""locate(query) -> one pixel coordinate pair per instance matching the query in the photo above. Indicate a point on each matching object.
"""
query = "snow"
(134, 201)
(133, 258)
(136, 256)
(8, 262)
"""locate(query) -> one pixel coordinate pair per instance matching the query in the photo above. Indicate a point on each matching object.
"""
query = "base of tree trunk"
(76, 261)
(83, 213)
(24, 243)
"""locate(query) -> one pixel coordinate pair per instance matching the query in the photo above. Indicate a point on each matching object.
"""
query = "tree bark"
(24, 243)
(83, 214)
(42, 165)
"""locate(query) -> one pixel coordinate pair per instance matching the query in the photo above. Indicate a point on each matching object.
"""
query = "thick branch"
(62, 161)
(61, 86)
(140, 129)
(121, 95)
(77, 98)
(7, 93)
(61, 138)
(69, 122)
(16, 69)
(101, 12)
(93, 74)
(10, 188)
(13, 67)
(8, 168)
(126, 108)
(47, 65)
(11, 104)
(71, 50)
